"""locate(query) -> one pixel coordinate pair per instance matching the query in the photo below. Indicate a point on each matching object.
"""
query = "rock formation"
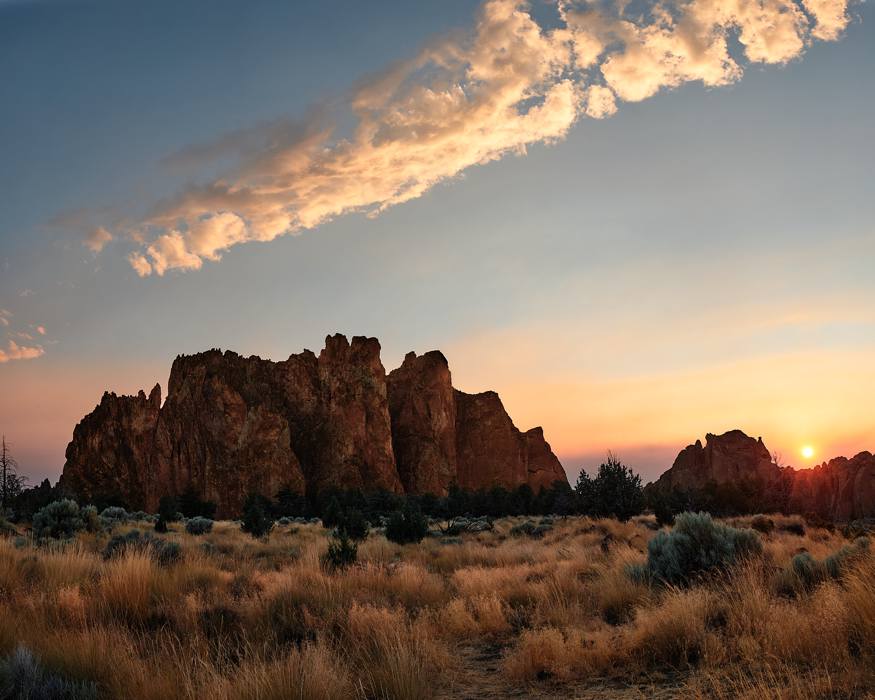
(727, 458)
(442, 435)
(231, 425)
(841, 489)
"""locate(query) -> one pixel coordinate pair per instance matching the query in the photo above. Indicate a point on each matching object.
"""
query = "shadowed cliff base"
(233, 425)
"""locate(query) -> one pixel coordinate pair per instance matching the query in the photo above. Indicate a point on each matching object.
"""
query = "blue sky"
(698, 261)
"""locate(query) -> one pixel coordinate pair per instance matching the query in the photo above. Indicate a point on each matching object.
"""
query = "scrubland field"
(489, 614)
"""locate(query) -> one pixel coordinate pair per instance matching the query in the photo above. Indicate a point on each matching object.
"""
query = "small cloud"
(26, 293)
(97, 239)
(41, 330)
(4, 317)
(141, 266)
(14, 351)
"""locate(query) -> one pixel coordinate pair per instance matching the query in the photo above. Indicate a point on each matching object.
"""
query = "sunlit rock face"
(232, 425)
(490, 449)
(120, 431)
(422, 406)
(841, 489)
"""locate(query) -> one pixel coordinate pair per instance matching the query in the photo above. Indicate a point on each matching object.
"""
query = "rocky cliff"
(231, 425)
(841, 489)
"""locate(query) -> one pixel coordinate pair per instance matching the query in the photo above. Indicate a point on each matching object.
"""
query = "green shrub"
(114, 515)
(257, 520)
(58, 520)
(22, 677)
(198, 525)
(406, 525)
(805, 572)
(193, 506)
(761, 523)
(530, 529)
(164, 552)
(638, 573)
(808, 570)
(92, 520)
(838, 562)
(342, 552)
(354, 525)
(7, 528)
(168, 509)
(615, 492)
(697, 545)
(794, 528)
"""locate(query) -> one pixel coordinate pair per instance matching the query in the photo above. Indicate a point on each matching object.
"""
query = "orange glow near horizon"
(586, 406)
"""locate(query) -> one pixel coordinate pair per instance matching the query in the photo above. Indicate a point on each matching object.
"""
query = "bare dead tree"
(11, 483)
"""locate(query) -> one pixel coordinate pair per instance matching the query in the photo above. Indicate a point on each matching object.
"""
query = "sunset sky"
(638, 223)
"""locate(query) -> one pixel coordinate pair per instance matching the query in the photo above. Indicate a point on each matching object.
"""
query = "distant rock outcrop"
(232, 425)
(731, 457)
(841, 489)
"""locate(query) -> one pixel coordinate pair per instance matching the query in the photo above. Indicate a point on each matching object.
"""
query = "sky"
(638, 222)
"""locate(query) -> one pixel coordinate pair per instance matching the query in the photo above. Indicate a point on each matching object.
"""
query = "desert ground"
(498, 613)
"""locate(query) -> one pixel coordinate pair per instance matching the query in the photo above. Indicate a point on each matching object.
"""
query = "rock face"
(232, 425)
(442, 435)
(731, 457)
(488, 444)
(842, 489)
(422, 406)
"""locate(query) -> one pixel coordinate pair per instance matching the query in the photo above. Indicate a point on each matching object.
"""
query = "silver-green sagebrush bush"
(695, 546)
(22, 677)
(198, 525)
(806, 573)
(58, 520)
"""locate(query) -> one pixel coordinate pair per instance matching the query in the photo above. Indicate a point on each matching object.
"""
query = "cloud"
(41, 330)
(4, 317)
(600, 102)
(465, 100)
(14, 351)
(97, 239)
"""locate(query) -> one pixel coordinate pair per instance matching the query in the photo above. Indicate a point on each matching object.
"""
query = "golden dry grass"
(237, 618)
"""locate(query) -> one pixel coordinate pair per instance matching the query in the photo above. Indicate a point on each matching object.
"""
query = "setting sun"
(807, 452)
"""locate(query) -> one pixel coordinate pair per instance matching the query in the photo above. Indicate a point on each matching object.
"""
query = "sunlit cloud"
(97, 239)
(14, 351)
(463, 101)
(4, 317)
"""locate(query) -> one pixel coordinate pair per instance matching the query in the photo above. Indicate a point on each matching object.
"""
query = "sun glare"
(807, 451)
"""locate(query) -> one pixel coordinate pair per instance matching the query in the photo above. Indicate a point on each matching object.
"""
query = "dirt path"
(480, 676)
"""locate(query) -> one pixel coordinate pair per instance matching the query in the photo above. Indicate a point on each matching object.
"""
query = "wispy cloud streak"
(465, 101)
(14, 351)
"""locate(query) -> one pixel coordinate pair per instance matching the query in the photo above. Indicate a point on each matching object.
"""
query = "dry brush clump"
(587, 603)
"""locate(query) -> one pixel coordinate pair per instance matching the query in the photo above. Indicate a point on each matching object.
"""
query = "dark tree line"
(615, 491)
